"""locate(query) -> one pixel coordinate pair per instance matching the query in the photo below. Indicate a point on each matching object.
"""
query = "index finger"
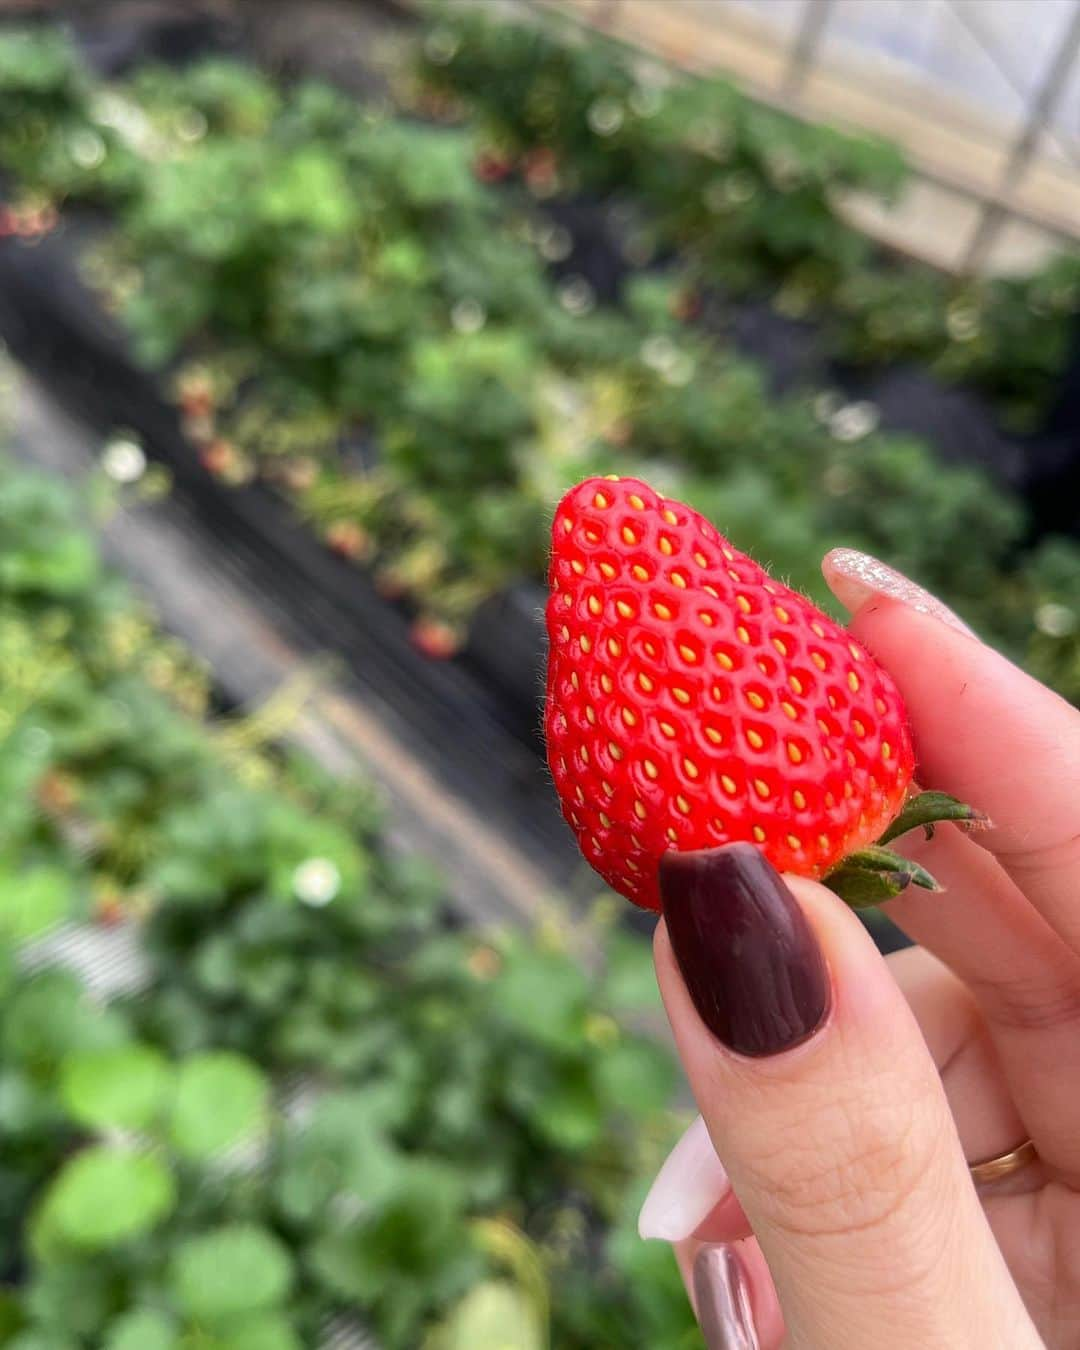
(985, 732)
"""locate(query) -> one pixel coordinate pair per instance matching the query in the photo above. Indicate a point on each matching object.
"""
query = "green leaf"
(862, 887)
(542, 995)
(264, 1331)
(569, 1114)
(495, 1315)
(102, 1197)
(50, 1016)
(221, 1100)
(636, 1076)
(927, 810)
(34, 901)
(418, 1237)
(876, 859)
(122, 1088)
(233, 1270)
(340, 1153)
(308, 189)
(142, 1329)
(629, 977)
(41, 1340)
(68, 1292)
(874, 875)
(12, 1314)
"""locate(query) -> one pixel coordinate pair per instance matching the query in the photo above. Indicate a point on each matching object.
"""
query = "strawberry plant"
(314, 1096)
(748, 195)
(355, 308)
(57, 138)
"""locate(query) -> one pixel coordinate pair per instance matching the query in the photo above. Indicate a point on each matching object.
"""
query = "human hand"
(846, 1094)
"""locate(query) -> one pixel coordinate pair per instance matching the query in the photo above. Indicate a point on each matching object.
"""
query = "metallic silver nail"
(855, 577)
(722, 1296)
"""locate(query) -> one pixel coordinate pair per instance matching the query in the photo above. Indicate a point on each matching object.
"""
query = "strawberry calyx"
(873, 875)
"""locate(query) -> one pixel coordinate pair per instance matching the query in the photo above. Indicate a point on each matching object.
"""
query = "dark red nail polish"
(749, 958)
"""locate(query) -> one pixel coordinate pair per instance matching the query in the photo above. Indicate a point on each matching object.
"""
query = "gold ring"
(993, 1169)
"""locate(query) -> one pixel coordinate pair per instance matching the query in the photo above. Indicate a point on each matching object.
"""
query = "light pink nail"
(854, 578)
(686, 1190)
(722, 1297)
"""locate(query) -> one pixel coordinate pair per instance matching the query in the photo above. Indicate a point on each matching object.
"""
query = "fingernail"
(747, 954)
(687, 1188)
(855, 577)
(722, 1295)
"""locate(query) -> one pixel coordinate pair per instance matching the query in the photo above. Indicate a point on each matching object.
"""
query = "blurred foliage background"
(320, 1098)
(379, 307)
(418, 317)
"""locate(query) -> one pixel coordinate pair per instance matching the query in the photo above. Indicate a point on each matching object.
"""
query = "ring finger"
(1025, 981)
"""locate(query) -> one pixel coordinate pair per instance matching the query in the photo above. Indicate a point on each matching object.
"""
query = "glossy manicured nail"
(687, 1188)
(722, 1296)
(855, 577)
(748, 956)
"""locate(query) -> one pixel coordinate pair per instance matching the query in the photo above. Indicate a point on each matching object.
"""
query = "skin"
(854, 1213)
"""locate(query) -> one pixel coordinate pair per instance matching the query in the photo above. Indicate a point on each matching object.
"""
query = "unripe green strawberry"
(693, 701)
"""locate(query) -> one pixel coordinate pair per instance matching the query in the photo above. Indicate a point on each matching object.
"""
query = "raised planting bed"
(314, 1056)
(746, 195)
(481, 749)
(358, 311)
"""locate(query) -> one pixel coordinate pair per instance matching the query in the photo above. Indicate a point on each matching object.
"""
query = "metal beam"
(815, 14)
(1042, 109)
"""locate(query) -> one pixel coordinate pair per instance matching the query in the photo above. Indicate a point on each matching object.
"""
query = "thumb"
(826, 1110)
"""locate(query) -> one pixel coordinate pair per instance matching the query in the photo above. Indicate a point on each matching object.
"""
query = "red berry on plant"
(693, 700)
(348, 540)
(541, 169)
(687, 306)
(438, 641)
(218, 457)
(109, 910)
(492, 166)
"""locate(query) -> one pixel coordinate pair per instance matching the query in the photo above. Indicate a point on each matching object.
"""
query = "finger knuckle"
(1041, 1002)
(849, 1166)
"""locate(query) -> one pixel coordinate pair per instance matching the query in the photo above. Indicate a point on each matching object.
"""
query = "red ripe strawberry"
(437, 641)
(693, 701)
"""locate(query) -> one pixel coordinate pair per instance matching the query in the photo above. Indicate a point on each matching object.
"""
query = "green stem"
(875, 874)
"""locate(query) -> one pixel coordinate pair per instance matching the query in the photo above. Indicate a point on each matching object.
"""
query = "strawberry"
(693, 701)
(492, 166)
(348, 540)
(436, 640)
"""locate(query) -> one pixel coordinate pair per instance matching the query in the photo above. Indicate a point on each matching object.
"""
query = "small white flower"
(1055, 620)
(87, 148)
(681, 370)
(123, 460)
(659, 353)
(854, 421)
(191, 125)
(130, 123)
(645, 101)
(605, 116)
(468, 316)
(826, 404)
(741, 188)
(316, 882)
(554, 243)
(441, 46)
(734, 189)
(576, 296)
(962, 322)
(785, 171)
